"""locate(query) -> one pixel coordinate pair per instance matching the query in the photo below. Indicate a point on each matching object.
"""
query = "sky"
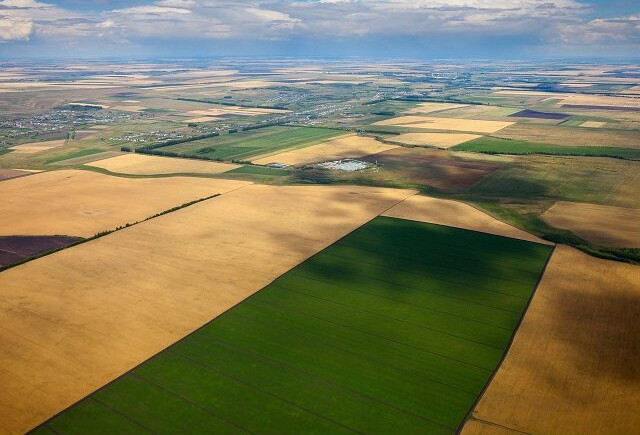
(424, 29)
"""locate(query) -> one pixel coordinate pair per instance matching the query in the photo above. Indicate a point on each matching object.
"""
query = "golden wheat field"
(98, 303)
(574, 366)
(83, 203)
(36, 147)
(601, 224)
(438, 140)
(343, 147)
(140, 164)
(455, 214)
(453, 124)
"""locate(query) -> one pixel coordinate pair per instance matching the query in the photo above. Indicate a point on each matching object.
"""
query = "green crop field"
(394, 329)
(247, 144)
(493, 145)
(259, 170)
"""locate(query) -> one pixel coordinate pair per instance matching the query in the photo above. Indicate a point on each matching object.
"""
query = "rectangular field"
(438, 140)
(343, 147)
(494, 145)
(139, 164)
(395, 329)
(453, 124)
(247, 144)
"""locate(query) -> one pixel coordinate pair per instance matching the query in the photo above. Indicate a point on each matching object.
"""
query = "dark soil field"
(6, 174)
(439, 169)
(541, 115)
(394, 329)
(17, 248)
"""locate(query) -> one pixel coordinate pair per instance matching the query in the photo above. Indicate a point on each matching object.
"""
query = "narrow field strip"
(355, 340)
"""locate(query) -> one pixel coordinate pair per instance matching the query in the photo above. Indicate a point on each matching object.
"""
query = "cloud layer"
(542, 25)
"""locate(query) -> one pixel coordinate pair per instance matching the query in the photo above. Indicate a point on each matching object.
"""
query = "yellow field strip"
(455, 214)
(348, 146)
(602, 224)
(84, 203)
(77, 319)
(140, 164)
(454, 124)
(574, 366)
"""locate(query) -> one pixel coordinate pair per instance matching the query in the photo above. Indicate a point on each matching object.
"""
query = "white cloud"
(15, 29)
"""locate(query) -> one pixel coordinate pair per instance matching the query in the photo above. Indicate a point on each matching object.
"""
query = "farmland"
(574, 362)
(349, 146)
(128, 288)
(377, 341)
(137, 164)
(455, 124)
(89, 203)
(249, 144)
(601, 224)
(494, 145)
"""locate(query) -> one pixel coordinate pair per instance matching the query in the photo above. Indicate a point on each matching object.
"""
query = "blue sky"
(382, 28)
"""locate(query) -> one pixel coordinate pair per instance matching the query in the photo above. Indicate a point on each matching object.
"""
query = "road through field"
(74, 320)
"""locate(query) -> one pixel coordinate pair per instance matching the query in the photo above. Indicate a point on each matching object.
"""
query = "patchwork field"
(439, 140)
(574, 366)
(108, 304)
(605, 225)
(87, 203)
(139, 164)
(454, 124)
(455, 214)
(380, 333)
(247, 144)
(349, 146)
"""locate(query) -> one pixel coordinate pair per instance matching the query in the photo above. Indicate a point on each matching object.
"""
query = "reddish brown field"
(16, 248)
(6, 174)
(431, 168)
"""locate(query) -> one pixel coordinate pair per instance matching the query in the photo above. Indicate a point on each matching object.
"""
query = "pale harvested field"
(77, 319)
(129, 108)
(602, 100)
(593, 124)
(455, 214)
(455, 124)
(571, 136)
(434, 107)
(439, 140)
(202, 119)
(140, 164)
(233, 110)
(83, 203)
(36, 147)
(344, 147)
(574, 366)
(605, 225)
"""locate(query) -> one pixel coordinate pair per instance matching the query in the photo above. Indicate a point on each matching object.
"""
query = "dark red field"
(17, 248)
(6, 174)
(539, 115)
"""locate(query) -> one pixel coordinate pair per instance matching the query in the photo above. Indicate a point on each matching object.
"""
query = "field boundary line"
(490, 423)
(508, 348)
